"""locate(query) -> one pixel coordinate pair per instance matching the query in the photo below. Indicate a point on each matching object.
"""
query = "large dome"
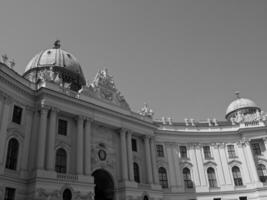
(241, 104)
(56, 60)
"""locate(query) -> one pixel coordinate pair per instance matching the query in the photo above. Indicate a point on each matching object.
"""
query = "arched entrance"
(104, 186)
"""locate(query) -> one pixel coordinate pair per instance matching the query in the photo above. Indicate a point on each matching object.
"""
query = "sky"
(185, 58)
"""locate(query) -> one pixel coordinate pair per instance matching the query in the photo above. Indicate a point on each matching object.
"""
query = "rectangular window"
(183, 151)
(160, 152)
(134, 145)
(256, 148)
(231, 151)
(10, 193)
(17, 114)
(243, 198)
(207, 153)
(217, 199)
(62, 127)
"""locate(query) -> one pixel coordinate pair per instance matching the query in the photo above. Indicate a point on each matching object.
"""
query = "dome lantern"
(55, 65)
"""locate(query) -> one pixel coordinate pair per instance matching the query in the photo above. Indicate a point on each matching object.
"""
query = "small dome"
(241, 104)
(56, 59)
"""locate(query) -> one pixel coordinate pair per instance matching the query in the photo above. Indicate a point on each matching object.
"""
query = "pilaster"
(123, 155)
(79, 145)
(50, 162)
(42, 137)
(148, 160)
(87, 145)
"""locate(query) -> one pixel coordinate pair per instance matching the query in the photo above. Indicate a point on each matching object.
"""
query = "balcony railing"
(67, 177)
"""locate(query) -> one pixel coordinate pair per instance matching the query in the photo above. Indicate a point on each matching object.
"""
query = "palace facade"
(62, 138)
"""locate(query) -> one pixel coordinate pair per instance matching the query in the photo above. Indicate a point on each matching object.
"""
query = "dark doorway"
(104, 186)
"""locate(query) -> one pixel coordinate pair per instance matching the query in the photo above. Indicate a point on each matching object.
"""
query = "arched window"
(262, 172)
(136, 173)
(187, 178)
(211, 177)
(12, 154)
(146, 197)
(237, 176)
(61, 161)
(163, 179)
(67, 194)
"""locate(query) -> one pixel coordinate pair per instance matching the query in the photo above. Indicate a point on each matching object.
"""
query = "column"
(130, 156)
(88, 132)
(50, 162)
(247, 178)
(42, 138)
(154, 164)
(148, 160)
(79, 151)
(192, 155)
(171, 165)
(178, 170)
(200, 165)
(123, 155)
(4, 123)
(34, 137)
(27, 138)
(251, 161)
(221, 164)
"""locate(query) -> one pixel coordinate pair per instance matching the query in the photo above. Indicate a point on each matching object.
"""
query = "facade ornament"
(248, 118)
(103, 87)
(103, 79)
(169, 120)
(192, 121)
(215, 122)
(186, 122)
(12, 63)
(146, 111)
(4, 58)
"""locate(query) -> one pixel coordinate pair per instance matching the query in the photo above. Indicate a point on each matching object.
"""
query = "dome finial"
(57, 44)
(237, 93)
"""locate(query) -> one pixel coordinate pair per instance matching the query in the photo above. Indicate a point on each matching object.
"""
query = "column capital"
(54, 109)
(80, 117)
(123, 130)
(89, 119)
(44, 107)
(7, 99)
(29, 108)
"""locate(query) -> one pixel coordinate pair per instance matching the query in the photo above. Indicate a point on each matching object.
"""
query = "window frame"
(136, 170)
(59, 164)
(207, 152)
(11, 162)
(163, 178)
(15, 118)
(237, 176)
(160, 150)
(9, 189)
(59, 129)
(183, 154)
(212, 179)
(188, 183)
(231, 151)
(256, 148)
(134, 144)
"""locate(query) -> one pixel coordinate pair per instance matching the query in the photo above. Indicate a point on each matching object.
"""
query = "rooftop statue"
(146, 111)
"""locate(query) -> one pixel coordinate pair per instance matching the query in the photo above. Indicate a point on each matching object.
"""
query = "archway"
(104, 186)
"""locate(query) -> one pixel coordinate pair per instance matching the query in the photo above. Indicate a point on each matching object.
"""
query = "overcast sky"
(184, 58)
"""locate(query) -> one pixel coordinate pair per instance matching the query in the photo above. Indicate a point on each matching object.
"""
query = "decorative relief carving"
(103, 87)
(248, 118)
